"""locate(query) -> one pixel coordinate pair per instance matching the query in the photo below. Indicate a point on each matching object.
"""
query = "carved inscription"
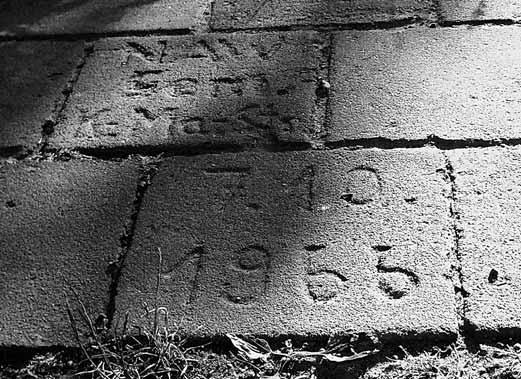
(325, 285)
(363, 186)
(394, 281)
(186, 270)
(248, 275)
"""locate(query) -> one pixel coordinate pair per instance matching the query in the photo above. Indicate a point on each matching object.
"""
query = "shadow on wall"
(33, 75)
(64, 16)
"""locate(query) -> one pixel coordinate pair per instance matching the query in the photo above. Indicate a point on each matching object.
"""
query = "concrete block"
(33, 76)
(244, 14)
(488, 185)
(213, 89)
(303, 243)
(61, 224)
(454, 83)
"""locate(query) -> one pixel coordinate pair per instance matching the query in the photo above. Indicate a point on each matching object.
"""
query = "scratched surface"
(196, 90)
(307, 243)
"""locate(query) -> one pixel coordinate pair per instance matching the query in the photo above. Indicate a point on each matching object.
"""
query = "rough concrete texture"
(214, 88)
(480, 10)
(457, 83)
(25, 17)
(231, 14)
(32, 76)
(60, 227)
(305, 243)
(488, 185)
